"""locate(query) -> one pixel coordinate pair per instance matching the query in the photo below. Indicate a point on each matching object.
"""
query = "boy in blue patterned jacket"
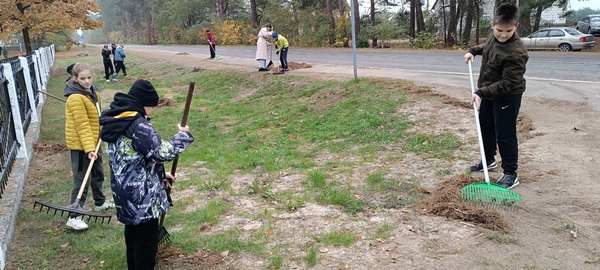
(136, 154)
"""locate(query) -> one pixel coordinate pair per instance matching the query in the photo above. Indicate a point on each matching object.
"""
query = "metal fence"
(8, 139)
(21, 80)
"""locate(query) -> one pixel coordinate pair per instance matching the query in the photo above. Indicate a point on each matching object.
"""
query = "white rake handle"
(479, 136)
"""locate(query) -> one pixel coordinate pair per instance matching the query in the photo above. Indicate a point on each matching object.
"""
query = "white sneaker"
(77, 224)
(107, 80)
(106, 205)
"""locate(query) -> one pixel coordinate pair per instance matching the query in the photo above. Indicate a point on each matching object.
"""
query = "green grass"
(378, 182)
(290, 200)
(384, 231)
(275, 263)
(316, 179)
(438, 146)
(311, 255)
(337, 238)
(284, 125)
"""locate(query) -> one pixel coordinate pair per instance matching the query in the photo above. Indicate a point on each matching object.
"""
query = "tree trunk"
(477, 20)
(419, 15)
(468, 23)
(357, 17)
(253, 14)
(372, 20)
(329, 10)
(453, 20)
(222, 6)
(411, 27)
(538, 18)
(27, 40)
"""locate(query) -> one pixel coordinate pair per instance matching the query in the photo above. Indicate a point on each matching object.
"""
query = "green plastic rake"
(487, 193)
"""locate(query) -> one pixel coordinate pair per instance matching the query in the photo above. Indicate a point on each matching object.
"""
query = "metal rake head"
(164, 237)
(70, 210)
(491, 195)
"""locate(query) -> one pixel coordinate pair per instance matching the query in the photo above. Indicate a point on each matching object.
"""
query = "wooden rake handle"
(184, 120)
(88, 172)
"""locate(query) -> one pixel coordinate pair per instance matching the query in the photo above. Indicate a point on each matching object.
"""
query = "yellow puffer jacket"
(82, 124)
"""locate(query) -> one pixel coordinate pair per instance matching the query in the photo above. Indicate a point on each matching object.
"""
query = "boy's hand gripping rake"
(163, 235)
(75, 208)
(486, 193)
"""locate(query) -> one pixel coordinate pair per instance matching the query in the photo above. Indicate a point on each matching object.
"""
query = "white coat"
(262, 51)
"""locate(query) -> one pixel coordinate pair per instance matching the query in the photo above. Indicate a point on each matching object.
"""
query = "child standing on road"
(82, 130)
(137, 154)
(281, 45)
(500, 89)
(212, 43)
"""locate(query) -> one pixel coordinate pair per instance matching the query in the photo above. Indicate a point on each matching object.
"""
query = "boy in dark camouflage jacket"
(136, 154)
(500, 90)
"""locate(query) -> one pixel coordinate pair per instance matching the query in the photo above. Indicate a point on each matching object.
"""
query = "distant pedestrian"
(108, 65)
(281, 46)
(212, 43)
(120, 61)
(262, 51)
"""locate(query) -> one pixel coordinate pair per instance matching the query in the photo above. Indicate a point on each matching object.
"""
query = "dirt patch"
(197, 69)
(295, 65)
(445, 201)
(525, 127)
(173, 258)
(50, 148)
(166, 102)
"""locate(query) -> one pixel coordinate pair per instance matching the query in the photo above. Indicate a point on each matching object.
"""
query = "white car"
(590, 24)
(558, 38)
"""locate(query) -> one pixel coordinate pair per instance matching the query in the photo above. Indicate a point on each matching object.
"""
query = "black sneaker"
(479, 167)
(508, 181)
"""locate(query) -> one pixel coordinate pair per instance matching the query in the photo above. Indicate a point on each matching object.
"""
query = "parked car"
(558, 38)
(589, 24)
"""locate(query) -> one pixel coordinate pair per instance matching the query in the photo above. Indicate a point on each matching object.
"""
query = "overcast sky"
(579, 4)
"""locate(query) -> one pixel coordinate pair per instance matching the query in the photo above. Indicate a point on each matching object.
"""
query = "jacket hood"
(74, 88)
(122, 112)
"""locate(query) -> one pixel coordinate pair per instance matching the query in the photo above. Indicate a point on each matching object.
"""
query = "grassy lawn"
(243, 124)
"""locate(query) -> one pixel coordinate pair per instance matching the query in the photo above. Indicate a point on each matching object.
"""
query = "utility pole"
(353, 38)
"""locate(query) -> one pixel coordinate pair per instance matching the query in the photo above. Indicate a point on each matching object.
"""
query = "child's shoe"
(508, 181)
(105, 206)
(77, 224)
(479, 167)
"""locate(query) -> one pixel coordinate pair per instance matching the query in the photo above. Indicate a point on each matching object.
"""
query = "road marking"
(477, 74)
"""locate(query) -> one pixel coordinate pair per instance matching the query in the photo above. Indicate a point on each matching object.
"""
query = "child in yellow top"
(82, 130)
(281, 45)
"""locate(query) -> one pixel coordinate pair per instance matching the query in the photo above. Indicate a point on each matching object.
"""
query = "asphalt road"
(546, 65)
(573, 76)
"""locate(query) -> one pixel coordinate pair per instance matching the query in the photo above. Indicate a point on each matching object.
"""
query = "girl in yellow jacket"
(82, 129)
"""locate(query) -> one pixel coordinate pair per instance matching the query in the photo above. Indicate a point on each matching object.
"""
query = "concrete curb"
(11, 200)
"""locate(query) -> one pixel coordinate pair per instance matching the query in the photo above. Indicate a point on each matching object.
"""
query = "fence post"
(38, 79)
(44, 68)
(16, 112)
(30, 94)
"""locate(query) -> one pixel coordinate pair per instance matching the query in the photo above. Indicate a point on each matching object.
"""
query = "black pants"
(79, 164)
(212, 51)
(120, 65)
(108, 69)
(283, 58)
(141, 242)
(499, 126)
